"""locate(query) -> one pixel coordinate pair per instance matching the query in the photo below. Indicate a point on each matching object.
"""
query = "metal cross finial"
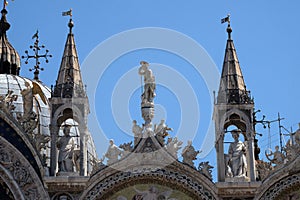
(5, 3)
(36, 48)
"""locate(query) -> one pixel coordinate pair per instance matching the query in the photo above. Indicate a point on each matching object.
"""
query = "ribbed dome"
(17, 84)
(9, 57)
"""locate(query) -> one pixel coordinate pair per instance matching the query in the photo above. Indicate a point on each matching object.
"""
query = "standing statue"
(66, 146)
(189, 154)
(236, 153)
(149, 80)
(113, 152)
(278, 157)
(137, 132)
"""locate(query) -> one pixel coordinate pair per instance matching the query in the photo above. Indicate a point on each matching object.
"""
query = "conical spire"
(9, 57)
(232, 86)
(69, 82)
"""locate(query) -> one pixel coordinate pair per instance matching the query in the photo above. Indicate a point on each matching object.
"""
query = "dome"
(16, 84)
(9, 57)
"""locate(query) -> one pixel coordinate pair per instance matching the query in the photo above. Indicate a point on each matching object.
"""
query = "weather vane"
(226, 19)
(229, 30)
(5, 3)
(67, 13)
(36, 48)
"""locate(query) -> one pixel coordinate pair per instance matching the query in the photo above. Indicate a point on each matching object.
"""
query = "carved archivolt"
(22, 178)
(289, 183)
(175, 179)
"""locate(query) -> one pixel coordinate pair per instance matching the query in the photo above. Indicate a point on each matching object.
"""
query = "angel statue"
(29, 118)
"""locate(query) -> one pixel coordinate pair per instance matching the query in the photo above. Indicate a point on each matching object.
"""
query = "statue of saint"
(66, 146)
(237, 159)
(149, 81)
(113, 152)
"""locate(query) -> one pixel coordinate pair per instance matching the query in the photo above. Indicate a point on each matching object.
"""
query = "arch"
(13, 134)
(66, 109)
(67, 195)
(176, 176)
(243, 122)
(281, 182)
(18, 173)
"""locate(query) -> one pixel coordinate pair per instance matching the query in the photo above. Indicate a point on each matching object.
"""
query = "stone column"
(83, 150)
(53, 154)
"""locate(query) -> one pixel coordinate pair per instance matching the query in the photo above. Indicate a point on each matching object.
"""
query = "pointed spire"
(232, 86)
(9, 57)
(69, 82)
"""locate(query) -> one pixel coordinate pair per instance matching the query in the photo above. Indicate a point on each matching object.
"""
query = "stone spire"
(232, 86)
(70, 102)
(69, 82)
(9, 57)
(234, 107)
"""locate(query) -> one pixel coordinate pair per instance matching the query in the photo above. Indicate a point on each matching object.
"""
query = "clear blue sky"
(265, 33)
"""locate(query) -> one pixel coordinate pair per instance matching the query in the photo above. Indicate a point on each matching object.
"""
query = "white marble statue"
(66, 146)
(236, 153)
(149, 82)
(113, 152)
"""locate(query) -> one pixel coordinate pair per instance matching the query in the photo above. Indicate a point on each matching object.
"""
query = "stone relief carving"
(21, 173)
(164, 175)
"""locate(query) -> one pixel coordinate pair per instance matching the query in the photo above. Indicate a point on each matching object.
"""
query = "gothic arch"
(244, 119)
(59, 114)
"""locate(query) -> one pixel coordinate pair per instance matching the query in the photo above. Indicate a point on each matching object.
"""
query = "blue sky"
(265, 33)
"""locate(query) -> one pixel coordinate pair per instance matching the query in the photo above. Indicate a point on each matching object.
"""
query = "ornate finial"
(36, 48)
(69, 13)
(229, 30)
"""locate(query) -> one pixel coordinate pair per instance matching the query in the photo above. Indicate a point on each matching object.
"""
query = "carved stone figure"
(113, 152)
(137, 132)
(6, 102)
(149, 80)
(66, 147)
(127, 149)
(173, 146)
(205, 169)
(27, 95)
(278, 157)
(237, 158)
(161, 131)
(189, 154)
